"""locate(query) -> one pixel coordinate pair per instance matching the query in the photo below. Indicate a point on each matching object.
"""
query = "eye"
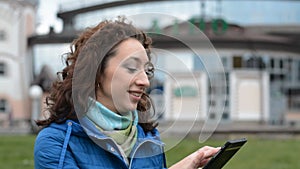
(131, 69)
(149, 69)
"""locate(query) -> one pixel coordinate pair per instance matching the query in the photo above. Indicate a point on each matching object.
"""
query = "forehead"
(129, 49)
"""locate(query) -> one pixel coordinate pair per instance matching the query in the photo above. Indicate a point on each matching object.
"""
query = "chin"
(132, 107)
(127, 109)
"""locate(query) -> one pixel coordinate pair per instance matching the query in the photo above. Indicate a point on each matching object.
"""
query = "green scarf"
(121, 128)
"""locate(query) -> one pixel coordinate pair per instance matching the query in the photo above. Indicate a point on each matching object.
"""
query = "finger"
(204, 154)
(205, 148)
(208, 151)
(208, 154)
(203, 162)
(211, 152)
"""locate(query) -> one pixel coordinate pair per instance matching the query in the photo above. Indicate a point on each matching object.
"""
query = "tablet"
(225, 154)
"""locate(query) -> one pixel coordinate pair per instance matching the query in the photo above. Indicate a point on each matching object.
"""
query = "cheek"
(119, 83)
(121, 79)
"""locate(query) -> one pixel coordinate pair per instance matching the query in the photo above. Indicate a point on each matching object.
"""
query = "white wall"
(182, 107)
(17, 21)
(249, 95)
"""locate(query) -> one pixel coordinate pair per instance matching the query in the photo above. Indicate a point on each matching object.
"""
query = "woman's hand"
(196, 159)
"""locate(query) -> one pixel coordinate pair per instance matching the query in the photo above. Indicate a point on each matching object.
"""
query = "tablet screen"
(225, 154)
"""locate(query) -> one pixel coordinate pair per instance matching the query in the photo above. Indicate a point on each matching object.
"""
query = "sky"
(242, 12)
(47, 16)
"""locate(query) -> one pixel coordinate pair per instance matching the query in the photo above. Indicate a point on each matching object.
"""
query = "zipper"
(91, 134)
(115, 145)
(143, 142)
(125, 160)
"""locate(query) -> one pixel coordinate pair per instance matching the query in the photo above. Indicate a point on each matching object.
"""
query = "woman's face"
(124, 79)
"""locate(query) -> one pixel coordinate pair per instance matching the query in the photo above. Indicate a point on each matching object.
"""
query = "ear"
(98, 86)
(98, 90)
(99, 80)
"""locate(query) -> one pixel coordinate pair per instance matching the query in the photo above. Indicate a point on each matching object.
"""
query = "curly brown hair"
(93, 48)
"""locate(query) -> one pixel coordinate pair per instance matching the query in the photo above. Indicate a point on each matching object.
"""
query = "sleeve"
(47, 150)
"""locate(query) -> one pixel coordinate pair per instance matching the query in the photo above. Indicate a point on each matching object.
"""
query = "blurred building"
(261, 68)
(258, 66)
(17, 23)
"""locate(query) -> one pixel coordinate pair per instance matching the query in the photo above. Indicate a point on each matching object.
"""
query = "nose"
(142, 79)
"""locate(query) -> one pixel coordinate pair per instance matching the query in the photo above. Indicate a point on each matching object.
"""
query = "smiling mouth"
(136, 93)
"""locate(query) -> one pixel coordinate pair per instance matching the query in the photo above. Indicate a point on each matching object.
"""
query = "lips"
(136, 95)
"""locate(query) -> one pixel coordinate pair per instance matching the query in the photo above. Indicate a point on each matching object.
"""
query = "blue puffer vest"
(67, 145)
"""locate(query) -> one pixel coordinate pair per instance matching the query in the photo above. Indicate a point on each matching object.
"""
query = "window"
(294, 99)
(3, 106)
(226, 103)
(237, 61)
(212, 115)
(289, 66)
(272, 63)
(280, 63)
(255, 62)
(225, 62)
(198, 63)
(227, 75)
(298, 70)
(212, 103)
(2, 68)
(2, 35)
(225, 116)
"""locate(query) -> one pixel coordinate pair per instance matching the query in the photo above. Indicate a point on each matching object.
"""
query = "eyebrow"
(137, 59)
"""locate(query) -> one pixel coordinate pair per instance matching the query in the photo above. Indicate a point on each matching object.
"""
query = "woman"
(99, 111)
